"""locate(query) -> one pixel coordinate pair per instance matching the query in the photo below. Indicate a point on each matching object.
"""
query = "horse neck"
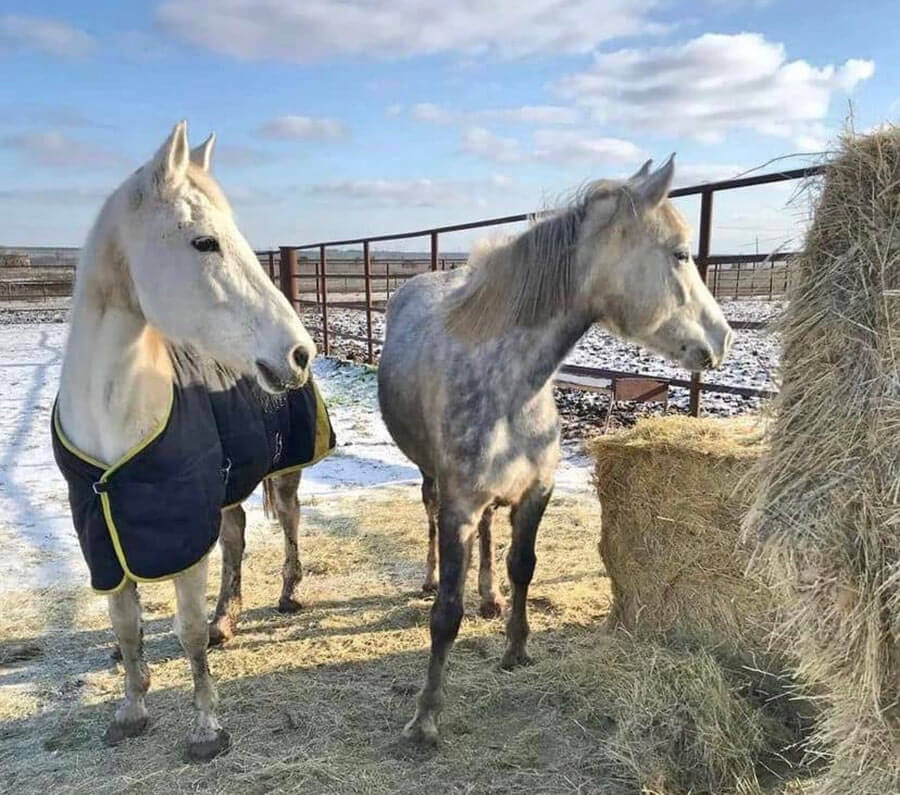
(115, 385)
(544, 347)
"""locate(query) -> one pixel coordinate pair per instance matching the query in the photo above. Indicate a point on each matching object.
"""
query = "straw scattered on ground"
(315, 702)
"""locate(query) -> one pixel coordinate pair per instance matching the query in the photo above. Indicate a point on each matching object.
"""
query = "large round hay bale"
(827, 515)
(674, 491)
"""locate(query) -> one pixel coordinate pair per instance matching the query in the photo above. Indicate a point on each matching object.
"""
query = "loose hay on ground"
(315, 701)
(828, 508)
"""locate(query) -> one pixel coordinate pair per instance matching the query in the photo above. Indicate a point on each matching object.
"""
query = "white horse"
(165, 263)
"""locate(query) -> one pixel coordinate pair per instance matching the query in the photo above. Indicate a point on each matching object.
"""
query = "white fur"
(141, 282)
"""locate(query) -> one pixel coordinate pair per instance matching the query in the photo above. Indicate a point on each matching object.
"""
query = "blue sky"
(338, 118)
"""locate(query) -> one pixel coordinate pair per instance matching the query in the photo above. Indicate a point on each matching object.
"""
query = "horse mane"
(527, 279)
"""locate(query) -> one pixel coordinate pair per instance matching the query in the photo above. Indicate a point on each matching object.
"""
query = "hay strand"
(827, 512)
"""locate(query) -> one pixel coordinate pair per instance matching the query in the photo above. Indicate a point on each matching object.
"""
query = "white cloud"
(556, 146)
(432, 114)
(532, 114)
(412, 192)
(55, 150)
(50, 36)
(482, 142)
(500, 181)
(240, 156)
(525, 114)
(303, 128)
(561, 146)
(696, 173)
(140, 46)
(712, 85)
(64, 196)
(61, 116)
(292, 30)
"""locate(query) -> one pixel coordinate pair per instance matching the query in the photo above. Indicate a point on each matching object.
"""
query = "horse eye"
(205, 244)
(682, 256)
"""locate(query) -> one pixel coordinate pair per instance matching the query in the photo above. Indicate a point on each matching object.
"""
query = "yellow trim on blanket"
(108, 472)
(112, 591)
(322, 446)
(68, 445)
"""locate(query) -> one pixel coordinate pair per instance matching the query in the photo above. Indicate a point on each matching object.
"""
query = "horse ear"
(652, 189)
(202, 155)
(171, 160)
(642, 171)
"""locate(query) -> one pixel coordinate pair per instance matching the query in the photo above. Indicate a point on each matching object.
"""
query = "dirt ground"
(315, 702)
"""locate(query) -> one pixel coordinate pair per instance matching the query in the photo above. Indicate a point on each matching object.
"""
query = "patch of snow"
(36, 533)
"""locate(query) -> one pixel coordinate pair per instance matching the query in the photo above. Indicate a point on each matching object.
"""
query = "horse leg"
(125, 613)
(520, 562)
(430, 499)
(287, 507)
(228, 608)
(456, 532)
(491, 601)
(207, 739)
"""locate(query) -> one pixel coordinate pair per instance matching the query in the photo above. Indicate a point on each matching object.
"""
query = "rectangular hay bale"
(673, 492)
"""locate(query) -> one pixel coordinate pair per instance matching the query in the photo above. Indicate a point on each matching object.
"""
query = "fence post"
(286, 270)
(737, 282)
(322, 264)
(706, 206)
(434, 251)
(387, 281)
(316, 270)
(368, 276)
(771, 277)
(272, 265)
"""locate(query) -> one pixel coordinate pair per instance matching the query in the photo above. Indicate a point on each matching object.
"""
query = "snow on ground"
(36, 534)
(752, 362)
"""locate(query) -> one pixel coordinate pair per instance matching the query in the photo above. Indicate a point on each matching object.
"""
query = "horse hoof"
(422, 731)
(118, 731)
(491, 608)
(513, 660)
(288, 605)
(116, 653)
(207, 747)
(429, 586)
(220, 633)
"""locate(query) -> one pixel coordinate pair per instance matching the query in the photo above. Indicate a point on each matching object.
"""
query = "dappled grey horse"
(465, 379)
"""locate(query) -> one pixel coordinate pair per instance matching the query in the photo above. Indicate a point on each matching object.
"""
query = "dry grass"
(674, 491)
(315, 702)
(828, 509)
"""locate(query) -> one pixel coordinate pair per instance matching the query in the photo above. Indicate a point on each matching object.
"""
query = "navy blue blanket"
(156, 512)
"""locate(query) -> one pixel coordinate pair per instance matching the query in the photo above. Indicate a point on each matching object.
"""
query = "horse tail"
(268, 499)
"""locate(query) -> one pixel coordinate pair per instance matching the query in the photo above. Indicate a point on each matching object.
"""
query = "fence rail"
(365, 283)
(727, 275)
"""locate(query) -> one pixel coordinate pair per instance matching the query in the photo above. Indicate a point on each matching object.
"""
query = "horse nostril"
(300, 357)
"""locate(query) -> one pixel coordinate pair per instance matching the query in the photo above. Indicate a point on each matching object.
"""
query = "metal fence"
(727, 275)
